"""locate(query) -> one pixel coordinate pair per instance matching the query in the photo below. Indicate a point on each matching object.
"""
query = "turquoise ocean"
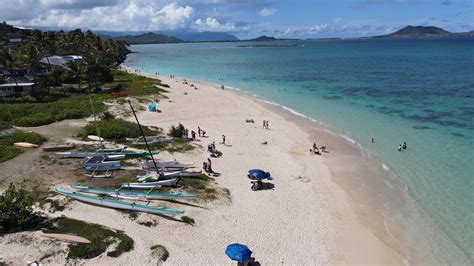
(418, 91)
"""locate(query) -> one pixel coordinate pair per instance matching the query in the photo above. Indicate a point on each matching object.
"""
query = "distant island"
(267, 39)
(148, 38)
(268, 45)
(423, 32)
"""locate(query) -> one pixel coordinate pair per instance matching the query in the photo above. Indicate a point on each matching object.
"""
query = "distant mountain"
(205, 36)
(425, 31)
(148, 38)
(264, 39)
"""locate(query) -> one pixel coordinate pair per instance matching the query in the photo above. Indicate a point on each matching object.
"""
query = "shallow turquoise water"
(418, 91)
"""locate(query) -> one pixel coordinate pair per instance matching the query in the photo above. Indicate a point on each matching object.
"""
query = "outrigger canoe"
(117, 204)
(155, 176)
(148, 185)
(128, 194)
(25, 145)
(128, 154)
(102, 167)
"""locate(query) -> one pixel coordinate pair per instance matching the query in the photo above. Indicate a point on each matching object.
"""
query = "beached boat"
(25, 145)
(148, 185)
(96, 138)
(102, 167)
(128, 154)
(154, 176)
(104, 159)
(152, 140)
(64, 147)
(117, 204)
(120, 193)
(169, 164)
(66, 238)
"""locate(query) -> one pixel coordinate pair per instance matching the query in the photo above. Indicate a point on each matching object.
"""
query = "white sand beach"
(306, 219)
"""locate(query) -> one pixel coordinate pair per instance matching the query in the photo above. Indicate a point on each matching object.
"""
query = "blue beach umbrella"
(238, 252)
(259, 174)
(152, 107)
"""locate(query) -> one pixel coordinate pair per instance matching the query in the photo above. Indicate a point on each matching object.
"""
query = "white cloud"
(318, 28)
(212, 24)
(129, 15)
(265, 12)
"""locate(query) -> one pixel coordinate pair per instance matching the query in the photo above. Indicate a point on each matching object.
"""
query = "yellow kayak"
(25, 145)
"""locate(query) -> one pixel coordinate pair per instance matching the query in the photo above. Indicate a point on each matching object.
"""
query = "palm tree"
(76, 71)
(30, 56)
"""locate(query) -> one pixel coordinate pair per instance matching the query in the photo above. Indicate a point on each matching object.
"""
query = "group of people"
(201, 132)
(207, 166)
(265, 124)
(402, 147)
(211, 148)
(171, 76)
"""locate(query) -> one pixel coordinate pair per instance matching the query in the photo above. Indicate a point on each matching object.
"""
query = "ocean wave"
(385, 167)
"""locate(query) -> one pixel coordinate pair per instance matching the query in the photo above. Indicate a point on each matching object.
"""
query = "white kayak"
(147, 185)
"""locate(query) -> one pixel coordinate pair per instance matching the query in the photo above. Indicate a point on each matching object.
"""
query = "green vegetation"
(160, 252)
(4, 125)
(16, 212)
(188, 220)
(115, 129)
(200, 186)
(149, 38)
(135, 85)
(43, 113)
(177, 131)
(7, 151)
(177, 145)
(101, 238)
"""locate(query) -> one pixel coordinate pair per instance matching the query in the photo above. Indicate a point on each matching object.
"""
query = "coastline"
(357, 234)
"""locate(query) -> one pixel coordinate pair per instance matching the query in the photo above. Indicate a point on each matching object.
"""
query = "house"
(59, 61)
(16, 87)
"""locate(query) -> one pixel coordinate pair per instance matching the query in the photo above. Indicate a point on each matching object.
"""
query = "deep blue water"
(418, 91)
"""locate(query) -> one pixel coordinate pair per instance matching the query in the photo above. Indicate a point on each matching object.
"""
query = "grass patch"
(177, 145)
(44, 113)
(160, 251)
(4, 125)
(136, 85)
(115, 129)
(7, 151)
(188, 220)
(101, 238)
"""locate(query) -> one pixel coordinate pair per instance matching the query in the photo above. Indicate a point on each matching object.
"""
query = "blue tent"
(152, 107)
(238, 252)
(259, 174)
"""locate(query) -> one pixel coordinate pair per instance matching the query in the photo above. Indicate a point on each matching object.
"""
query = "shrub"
(160, 252)
(115, 129)
(34, 120)
(178, 131)
(4, 125)
(187, 220)
(16, 211)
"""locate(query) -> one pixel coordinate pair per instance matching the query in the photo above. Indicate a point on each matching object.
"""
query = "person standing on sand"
(199, 131)
(264, 123)
(186, 132)
(399, 147)
(223, 139)
(373, 141)
(267, 127)
(404, 145)
(193, 135)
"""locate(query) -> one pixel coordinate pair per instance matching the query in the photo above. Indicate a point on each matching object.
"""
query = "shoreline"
(360, 228)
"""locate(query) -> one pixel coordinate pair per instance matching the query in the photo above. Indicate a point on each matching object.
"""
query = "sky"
(243, 18)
